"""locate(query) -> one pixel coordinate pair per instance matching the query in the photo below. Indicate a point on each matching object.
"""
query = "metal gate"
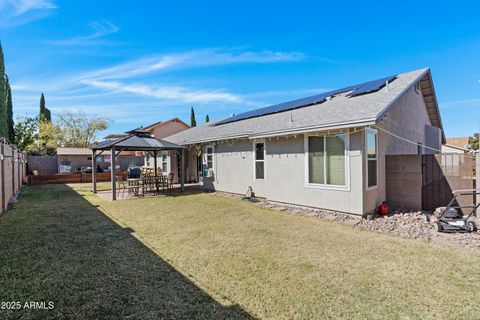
(442, 173)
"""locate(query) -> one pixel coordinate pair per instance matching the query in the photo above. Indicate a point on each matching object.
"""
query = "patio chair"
(149, 184)
(121, 184)
(171, 176)
(147, 171)
(133, 187)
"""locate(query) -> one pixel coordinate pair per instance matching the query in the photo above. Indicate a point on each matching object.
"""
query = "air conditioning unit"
(208, 173)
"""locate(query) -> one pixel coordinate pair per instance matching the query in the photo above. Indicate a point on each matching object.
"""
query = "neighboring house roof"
(455, 147)
(74, 151)
(150, 127)
(156, 124)
(138, 141)
(341, 111)
(115, 136)
(461, 142)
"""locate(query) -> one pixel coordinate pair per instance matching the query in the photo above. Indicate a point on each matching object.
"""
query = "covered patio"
(137, 140)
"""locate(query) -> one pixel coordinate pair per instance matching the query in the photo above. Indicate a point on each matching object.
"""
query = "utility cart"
(453, 217)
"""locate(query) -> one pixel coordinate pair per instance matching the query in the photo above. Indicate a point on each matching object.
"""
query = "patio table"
(160, 182)
(133, 185)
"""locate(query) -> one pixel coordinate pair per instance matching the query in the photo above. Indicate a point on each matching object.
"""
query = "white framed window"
(209, 157)
(147, 159)
(371, 147)
(208, 160)
(259, 160)
(165, 163)
(327, 164)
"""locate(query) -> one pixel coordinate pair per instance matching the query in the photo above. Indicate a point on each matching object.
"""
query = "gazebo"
(137, 140)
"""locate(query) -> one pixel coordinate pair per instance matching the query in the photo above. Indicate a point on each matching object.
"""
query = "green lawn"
(200, 256)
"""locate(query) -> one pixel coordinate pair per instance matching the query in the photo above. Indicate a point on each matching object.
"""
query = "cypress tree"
(10, 124)
(44, 118)
(42, 115)
(3, 98)
(193, 122)
(48, 115)
(207, 119)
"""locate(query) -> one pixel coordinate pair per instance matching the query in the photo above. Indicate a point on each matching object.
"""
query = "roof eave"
(277, 133)
(419, 78)
(335, 126)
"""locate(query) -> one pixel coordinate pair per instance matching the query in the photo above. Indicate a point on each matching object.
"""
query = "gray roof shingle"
(340, 111)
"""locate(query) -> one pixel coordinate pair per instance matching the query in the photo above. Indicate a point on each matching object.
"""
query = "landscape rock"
(408, 225)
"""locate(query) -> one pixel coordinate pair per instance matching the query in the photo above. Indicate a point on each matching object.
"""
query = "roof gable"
(459, 142)
(161, 123)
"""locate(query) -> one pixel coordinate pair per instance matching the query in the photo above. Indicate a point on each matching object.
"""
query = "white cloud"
(196, 58)
(100, 29)
(23, 6)
(176, 93)
(108, 78)
(120, 90)
(15, 12)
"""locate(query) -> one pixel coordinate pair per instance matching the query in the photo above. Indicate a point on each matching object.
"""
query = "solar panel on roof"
(285, 106)
(308, 101)
(371, 86)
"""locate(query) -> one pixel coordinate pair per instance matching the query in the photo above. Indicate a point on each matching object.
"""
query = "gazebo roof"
(138, 140)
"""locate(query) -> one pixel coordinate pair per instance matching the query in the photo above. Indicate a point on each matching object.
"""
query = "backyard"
(202, 256)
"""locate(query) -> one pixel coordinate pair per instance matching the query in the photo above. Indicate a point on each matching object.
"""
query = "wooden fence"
(12, 172)
(43, 164)
(71, 178)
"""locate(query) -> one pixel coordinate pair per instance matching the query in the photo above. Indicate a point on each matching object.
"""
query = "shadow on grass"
(56, 246)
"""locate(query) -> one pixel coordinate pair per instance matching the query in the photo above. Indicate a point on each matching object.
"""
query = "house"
(459, 142)
(448, 148)
(168, 161)
(460, 145)
(326, 151)
(75, 159)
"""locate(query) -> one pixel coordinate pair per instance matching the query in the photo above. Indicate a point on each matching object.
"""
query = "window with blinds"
(326, 160)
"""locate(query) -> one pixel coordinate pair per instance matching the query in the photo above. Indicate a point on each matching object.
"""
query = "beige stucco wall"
(168, 128)
(406, 118)
(285, 174)
(161, 131)
(285, 163)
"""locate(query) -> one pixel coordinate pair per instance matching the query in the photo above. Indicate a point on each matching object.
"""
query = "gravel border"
(407, 225)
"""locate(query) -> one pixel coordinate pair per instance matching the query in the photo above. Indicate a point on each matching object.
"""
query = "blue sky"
(145, 61)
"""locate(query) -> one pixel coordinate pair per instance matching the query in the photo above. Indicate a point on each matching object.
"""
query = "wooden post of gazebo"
(94, 171)
(182, 182)
(155, 173)
(114, 174)
(137, 140)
